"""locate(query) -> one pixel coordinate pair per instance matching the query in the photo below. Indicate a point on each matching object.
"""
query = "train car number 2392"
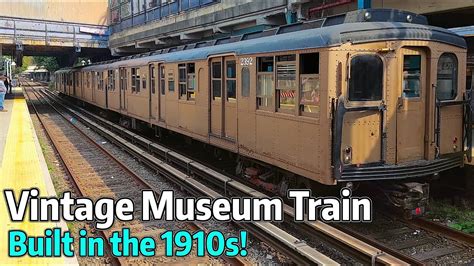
(246, 61)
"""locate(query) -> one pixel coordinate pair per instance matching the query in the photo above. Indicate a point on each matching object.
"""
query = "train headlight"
(367, 16)
(455, 143)
(347, 155)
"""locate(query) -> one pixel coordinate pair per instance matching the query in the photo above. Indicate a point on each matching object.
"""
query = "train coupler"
(410, 198)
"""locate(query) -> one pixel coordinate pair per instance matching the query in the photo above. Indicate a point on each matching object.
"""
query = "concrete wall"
(424, 6)
(220, 17)
(76, 11)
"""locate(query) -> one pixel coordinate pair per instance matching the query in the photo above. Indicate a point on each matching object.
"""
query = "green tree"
(50, 63)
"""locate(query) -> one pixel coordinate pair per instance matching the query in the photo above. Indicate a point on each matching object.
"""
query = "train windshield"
(366, 78)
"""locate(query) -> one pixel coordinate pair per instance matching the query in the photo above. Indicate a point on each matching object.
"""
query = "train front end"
(401, 114)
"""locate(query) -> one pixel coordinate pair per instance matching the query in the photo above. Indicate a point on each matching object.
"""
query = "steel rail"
(146, 184)
(295, 249)
(113, 260)
(350, 244)
(434, 227)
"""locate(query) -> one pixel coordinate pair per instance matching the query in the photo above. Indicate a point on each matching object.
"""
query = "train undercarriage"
(410, 197)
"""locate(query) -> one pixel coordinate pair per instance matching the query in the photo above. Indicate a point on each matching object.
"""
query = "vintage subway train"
(365, 96)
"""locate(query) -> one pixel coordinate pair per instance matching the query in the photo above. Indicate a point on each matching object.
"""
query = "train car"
(371, 95)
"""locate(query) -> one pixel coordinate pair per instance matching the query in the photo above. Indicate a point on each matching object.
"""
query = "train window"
(231, 80)
(123, 79)
(191, 70)
(143, 83)
(366, 78)
(133, 77)
(136, 80)
(265, 83)
(162, 80)
(152, 78)
(93, 79)
(446, 88)
(182, 80)
(216, 80)
(309, 63)
(309, 83)
(411, 76)
(265, 64)
(101, 80)
(245, 82)
(111, 86)
(171, 84)
(286, 82)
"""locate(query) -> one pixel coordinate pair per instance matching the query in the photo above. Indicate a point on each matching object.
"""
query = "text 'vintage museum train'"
(370, 95)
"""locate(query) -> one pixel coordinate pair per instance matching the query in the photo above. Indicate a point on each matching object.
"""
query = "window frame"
(421, 84)
(216, 79)
(190, 76)
(182, 81)
(162, 77)
(278, 64)
(455, 77)
(271, 74)
(111, 80)
(301, 75)
(232, 79)
(133, 76)
(348, 77)
(185, 76)
(171, 81)
(152, 77)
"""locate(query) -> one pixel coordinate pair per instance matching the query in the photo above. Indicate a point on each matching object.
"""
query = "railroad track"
(148, 153)
(96, 173)
(296, 250)
(424, 241)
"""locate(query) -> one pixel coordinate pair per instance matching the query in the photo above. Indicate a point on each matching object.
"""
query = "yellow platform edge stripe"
(24, 166)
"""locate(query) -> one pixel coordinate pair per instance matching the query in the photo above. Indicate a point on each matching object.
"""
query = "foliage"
(456, 217)
(50, 63)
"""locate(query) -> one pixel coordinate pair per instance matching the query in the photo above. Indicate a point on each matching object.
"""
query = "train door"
(411, 107)
(224, 97)
(123, 88)
(361, 114)
(153, 96)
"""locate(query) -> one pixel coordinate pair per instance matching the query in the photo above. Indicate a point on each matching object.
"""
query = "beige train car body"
(399, 129)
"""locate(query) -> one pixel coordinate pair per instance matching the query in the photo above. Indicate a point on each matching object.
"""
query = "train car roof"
(352, 29)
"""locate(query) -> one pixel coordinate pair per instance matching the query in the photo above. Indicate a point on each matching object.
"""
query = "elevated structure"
(145, 25)
(55, 28)
(163, 24)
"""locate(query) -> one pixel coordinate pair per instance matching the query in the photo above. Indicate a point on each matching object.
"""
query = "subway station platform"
(22, 166)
